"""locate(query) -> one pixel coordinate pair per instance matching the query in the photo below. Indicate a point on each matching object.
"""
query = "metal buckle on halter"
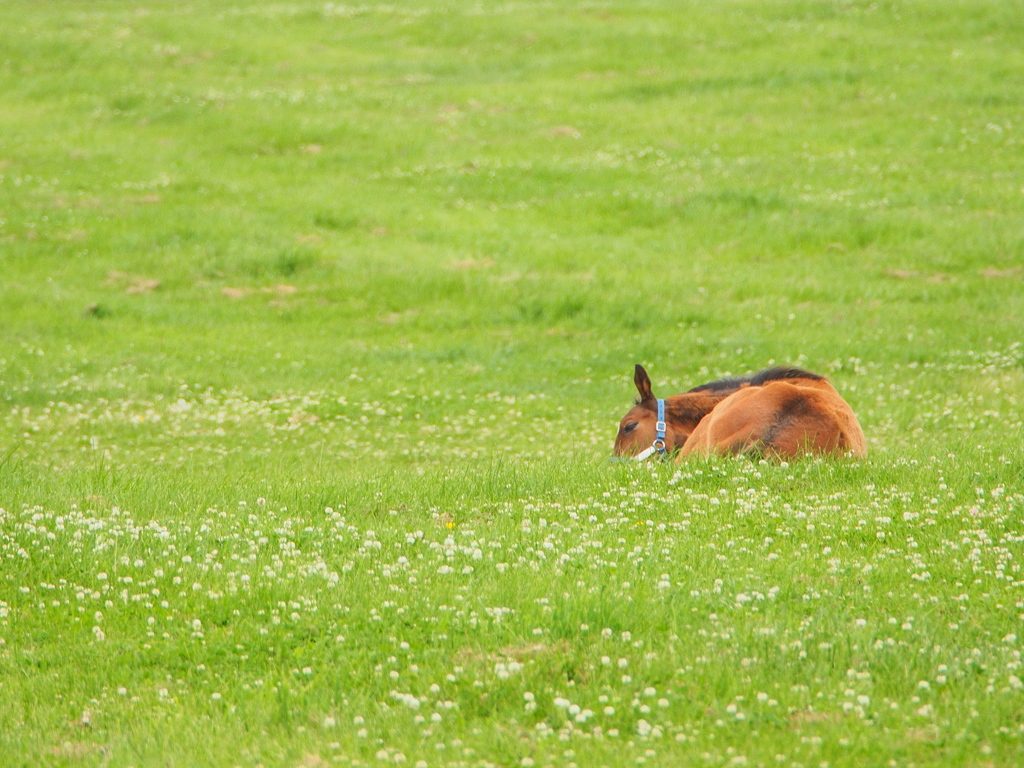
(660, 427)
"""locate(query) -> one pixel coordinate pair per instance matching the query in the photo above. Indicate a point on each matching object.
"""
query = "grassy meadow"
(317, 319)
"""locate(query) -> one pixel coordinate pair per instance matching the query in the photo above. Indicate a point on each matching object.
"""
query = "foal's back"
(781, 417)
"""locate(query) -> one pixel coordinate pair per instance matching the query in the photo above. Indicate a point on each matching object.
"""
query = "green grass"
(317, 321)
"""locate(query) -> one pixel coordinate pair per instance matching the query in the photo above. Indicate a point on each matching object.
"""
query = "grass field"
(316, 322)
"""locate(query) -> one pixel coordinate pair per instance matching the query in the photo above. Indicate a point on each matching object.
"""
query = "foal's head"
(638, 429)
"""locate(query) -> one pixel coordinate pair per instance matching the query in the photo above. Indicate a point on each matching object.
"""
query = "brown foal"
(779, 412)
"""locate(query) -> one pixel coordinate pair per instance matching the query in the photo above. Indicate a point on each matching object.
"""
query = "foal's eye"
(629, 427)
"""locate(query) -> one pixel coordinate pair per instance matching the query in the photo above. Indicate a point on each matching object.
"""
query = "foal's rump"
(780, 418)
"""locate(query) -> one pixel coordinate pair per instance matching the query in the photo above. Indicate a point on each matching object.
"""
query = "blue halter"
(658, 446)
(659, 440)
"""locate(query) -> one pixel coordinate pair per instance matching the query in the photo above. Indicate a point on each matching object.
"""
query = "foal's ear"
(643, 384)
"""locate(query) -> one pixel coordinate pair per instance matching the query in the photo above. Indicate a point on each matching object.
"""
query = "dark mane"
(756, 379)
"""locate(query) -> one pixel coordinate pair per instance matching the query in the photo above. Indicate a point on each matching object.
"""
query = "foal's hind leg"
(805, 424)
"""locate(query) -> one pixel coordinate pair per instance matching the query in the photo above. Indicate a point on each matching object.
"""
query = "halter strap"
(658, 446)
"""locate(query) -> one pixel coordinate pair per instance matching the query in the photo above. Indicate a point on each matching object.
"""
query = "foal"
(781, 412)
